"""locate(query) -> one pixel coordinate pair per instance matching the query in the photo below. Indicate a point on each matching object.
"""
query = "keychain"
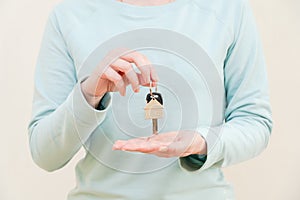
(154, 108)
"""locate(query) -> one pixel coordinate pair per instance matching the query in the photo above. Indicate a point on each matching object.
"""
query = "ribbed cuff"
(83, 111)
(214, 152)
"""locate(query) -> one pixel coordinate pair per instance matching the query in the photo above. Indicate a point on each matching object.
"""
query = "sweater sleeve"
(248, 123)
(61, 120)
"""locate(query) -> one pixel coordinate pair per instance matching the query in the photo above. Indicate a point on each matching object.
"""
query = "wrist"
(200, 146)
(90, 88)
(90, 98)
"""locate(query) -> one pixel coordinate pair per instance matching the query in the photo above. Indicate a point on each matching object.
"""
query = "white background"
(274, 175)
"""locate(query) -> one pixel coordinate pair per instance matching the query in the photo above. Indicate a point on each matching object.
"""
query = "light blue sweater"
(62, 121)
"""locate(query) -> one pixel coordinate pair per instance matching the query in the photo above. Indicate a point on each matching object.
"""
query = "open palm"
(169, 144)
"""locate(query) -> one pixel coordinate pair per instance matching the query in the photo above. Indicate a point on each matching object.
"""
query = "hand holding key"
(115, 72)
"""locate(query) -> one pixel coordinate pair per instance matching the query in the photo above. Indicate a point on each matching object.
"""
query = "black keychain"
(155, 95)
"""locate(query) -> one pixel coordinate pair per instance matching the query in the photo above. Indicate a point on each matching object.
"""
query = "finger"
(126, 81)
(149, 148)
(153, 73)
(116, 78)
(143, 82)
(126, 68)
(140, 146)
(119, 144)
(109, 58)
(134, 144)
(143, 64)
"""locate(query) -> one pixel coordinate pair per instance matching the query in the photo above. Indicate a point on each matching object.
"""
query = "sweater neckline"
(130, 9)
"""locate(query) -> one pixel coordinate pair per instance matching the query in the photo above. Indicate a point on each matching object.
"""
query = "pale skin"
(114, 74)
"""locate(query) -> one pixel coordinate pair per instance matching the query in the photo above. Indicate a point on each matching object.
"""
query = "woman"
(73, 104)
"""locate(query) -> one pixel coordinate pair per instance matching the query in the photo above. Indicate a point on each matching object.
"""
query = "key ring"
(150, 87)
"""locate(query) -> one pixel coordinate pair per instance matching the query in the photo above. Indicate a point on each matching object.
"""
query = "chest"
(106, 30)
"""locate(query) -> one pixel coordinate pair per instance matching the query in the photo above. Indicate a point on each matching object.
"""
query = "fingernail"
(118, 144)
(122, 93)
(137, 90)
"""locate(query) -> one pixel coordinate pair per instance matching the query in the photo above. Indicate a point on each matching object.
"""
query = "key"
(154, 109)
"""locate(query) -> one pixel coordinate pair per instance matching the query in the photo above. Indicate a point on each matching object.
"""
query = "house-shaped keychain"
(154, 110)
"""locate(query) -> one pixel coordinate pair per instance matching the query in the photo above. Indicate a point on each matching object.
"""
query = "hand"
(114, 73)
(170, 144)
